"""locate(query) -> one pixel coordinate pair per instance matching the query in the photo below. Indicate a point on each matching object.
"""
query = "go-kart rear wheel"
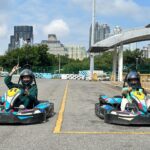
(98, 111)
(50, 111)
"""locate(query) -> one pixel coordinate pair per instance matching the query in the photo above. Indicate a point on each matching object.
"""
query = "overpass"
(116, 42)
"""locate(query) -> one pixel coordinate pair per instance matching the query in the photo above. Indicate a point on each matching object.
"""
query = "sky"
(69, 19)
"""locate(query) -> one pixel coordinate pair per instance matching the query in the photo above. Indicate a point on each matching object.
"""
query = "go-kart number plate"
(12, 92)
(139, 95)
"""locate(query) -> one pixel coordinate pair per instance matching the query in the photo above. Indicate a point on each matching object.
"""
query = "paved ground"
(80, 129)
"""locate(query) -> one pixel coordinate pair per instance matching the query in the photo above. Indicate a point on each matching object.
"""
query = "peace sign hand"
(15, 68)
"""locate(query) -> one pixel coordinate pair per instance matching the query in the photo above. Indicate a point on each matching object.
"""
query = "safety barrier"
(43, 75)
(72, 77)
(56, 76)
(47, 75)
(85, 73)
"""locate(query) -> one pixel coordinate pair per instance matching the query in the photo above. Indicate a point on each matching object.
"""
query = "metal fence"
(40, 69)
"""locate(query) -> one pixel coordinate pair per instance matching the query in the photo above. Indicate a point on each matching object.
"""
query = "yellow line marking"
(59, 121)
(117, 133)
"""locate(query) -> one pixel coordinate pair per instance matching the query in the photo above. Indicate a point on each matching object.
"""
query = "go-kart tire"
(50, 111)
(98, 111)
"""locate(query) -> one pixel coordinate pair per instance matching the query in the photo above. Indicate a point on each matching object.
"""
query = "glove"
(26, 92)
(129, 89)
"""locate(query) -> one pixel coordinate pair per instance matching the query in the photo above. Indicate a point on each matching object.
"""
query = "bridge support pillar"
(120, 63)
(114, 64)
(91, 65)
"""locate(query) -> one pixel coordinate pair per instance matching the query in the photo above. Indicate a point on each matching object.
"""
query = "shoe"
(21, 107)
(148, 109)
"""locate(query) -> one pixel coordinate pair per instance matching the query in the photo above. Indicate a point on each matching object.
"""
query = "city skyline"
(101, 31)
(22, 35)
(70, 20)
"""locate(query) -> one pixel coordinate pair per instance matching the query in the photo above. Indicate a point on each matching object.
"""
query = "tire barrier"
(43, 75)
(72, 77)
(85, 73)
(56, 76)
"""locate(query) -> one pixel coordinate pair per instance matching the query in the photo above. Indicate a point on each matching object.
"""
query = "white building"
(76, 52)
(146, 51)
(54, 45)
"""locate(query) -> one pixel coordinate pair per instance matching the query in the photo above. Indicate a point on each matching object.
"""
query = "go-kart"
(19, 115)
(136, 113)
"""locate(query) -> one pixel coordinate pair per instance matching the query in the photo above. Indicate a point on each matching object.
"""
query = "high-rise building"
(101, 31)
(22, 35)
(76, 52)
(117, 30)
(146, 51)
(54, 45)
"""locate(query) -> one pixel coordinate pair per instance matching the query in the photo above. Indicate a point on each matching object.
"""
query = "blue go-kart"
(18, 115)
(136, 113)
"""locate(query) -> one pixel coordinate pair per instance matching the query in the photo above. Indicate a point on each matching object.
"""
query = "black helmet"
(27, 72)
(133, 75)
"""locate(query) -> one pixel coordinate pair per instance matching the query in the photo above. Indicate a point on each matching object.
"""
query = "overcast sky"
(69, 19)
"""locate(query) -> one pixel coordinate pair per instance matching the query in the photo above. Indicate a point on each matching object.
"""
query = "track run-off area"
(74, 125)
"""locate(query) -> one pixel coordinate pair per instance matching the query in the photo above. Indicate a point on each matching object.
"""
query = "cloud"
(3, 30)
(58, 27)
(117, 8)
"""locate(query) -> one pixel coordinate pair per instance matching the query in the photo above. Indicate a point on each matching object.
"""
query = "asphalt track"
(74, 126)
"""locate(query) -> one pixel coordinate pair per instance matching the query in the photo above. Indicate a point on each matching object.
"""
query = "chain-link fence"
(40, 69)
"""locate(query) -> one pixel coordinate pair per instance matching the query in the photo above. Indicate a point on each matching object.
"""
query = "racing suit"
(29, 98)
(127, 99)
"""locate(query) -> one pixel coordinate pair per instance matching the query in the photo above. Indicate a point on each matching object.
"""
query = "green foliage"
(76, 65)
(41, 61)
(33, 55)
(104, 61)
(134, 60)
(130, 57)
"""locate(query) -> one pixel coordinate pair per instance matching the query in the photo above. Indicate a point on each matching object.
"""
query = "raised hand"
(14, 69)
(129, 89)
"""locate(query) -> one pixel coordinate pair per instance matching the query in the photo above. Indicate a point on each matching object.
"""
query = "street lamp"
(137, 63)
(92, 41)
(59, 63)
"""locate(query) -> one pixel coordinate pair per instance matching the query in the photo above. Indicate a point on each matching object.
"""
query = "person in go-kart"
(133, 81)
(28, 97)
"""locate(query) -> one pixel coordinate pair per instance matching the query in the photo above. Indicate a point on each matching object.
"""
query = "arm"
(32, 93)
(8, 82)
(126, 90)
(7, 79)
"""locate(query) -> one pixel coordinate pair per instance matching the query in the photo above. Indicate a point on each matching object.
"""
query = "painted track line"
(59, 121)
(107, 133)
(58, 126)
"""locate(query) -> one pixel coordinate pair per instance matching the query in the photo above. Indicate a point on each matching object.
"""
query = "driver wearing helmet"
(133, 81)
(28, 98)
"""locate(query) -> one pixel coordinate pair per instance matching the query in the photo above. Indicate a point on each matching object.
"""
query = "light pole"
(92, 41)
(18, 65)
(59, 63)
(137, 63)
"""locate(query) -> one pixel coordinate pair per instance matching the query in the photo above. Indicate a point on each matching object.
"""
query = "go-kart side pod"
(38, 114)
(124, 118)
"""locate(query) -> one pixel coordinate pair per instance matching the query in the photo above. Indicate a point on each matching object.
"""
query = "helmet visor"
(26, 80)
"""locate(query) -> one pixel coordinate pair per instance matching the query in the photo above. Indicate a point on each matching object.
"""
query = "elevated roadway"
(116, 43)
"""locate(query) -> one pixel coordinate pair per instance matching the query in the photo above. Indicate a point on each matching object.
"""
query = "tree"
(130, 57)
(41, 61)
